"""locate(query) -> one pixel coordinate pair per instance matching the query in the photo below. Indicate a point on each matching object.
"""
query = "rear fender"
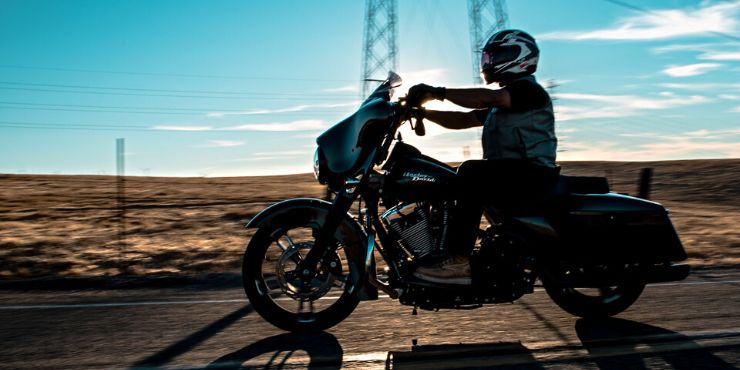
(353, 237)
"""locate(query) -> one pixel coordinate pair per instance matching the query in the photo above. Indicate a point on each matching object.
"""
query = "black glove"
(422, 93)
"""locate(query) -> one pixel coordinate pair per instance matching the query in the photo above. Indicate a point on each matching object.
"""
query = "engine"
(420, 228)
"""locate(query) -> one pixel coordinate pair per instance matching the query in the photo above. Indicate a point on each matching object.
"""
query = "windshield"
(385, 89)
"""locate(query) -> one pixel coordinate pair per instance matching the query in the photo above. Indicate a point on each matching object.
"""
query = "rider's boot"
(453, 270)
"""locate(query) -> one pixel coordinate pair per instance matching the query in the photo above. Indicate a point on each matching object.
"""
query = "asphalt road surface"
(692, 324)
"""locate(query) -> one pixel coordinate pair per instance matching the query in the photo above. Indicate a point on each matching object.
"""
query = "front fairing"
(350, 145)
(346, 145)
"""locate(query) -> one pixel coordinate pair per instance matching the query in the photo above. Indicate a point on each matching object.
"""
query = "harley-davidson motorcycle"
(310, 261)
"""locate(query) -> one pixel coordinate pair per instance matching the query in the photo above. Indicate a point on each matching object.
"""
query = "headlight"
(316, 164)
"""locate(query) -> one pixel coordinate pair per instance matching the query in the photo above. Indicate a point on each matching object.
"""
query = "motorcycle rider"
(519, 144)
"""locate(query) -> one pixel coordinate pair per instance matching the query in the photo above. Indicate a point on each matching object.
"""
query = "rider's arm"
(453, 120)
(477, 98)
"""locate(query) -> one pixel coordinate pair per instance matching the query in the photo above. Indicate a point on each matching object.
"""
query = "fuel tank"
(412, 176)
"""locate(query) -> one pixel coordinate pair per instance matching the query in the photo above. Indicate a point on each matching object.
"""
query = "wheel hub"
(291, 279)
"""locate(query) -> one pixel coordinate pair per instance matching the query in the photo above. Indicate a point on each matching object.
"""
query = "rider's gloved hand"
(422, 93)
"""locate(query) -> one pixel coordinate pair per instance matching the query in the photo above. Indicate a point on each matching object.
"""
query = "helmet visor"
(499, 56)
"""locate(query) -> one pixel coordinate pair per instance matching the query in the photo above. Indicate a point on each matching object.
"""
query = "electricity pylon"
(380, 53)
(485, 18)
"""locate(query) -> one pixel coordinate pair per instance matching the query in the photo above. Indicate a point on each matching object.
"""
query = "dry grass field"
(61, 226)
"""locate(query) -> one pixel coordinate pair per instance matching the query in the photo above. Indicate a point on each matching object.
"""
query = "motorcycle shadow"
(623, 344)
(314, 350)
(503, 355)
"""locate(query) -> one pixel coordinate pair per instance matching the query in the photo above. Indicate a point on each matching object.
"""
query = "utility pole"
(380, 52)
(485, 18)
(121, 202)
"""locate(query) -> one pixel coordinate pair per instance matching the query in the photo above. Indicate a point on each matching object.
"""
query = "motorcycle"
(310, 262)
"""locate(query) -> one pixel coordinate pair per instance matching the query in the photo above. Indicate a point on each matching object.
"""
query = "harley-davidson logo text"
(415, 176)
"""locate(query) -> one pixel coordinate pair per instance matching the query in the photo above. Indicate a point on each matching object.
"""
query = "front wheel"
(272, 284)
(593, 302)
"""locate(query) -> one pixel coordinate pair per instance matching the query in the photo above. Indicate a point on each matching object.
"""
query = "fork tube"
(322, 246)
(387, 247)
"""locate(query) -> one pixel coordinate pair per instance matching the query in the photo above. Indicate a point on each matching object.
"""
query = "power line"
(101, 111)
(195, 110)
(58, 69)
(118, 107)
(159, 90)
(297, 113)
(74, 125)
(114, 127)
(162, 95)
(652, 12)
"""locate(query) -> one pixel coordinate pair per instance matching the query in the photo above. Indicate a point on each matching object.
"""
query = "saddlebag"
(615, 228)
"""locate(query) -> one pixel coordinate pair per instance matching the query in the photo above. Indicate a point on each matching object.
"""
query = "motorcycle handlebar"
(419, 128)
(407, 113)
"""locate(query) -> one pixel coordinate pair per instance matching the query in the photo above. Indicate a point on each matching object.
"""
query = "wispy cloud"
(300, 125)
(695, 144)
(712, 134)
(691, 69)
(641, 134)
(703, 47)
(278, 154)
(347, 89)
(181, 128)
(721, 56)
(297, 108)
(663, 24)
(221, 144)
(716, 52)
(566, 130)
(701, 86)
(611, 106)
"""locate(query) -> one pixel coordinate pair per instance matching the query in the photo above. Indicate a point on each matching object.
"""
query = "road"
(692, 324)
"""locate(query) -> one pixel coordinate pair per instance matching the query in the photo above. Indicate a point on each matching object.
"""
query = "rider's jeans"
(510, 185)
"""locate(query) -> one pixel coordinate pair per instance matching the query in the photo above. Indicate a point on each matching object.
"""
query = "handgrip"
(419, 128)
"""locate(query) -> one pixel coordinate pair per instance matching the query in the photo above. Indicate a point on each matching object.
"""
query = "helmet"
(508, 54)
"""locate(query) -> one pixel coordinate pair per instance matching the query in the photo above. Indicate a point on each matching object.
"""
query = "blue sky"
(226, 88)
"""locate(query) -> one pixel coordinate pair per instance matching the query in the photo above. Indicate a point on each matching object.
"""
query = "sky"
(234, 88)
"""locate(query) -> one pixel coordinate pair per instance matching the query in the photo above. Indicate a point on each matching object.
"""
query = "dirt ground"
(55, 225)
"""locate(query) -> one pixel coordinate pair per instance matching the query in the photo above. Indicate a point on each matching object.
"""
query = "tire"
(594, 303)
(266, 279)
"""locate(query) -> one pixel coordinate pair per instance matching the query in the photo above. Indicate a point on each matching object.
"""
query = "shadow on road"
(617, 344)
(165, 355)
(506, 355)
(322, 349)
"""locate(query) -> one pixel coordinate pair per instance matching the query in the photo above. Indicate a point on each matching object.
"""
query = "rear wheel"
(272, 284)
(598, 302)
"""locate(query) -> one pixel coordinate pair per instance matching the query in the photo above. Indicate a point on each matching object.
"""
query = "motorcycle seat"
(566, 185)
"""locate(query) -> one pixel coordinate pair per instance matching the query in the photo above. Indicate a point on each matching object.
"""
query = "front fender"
(352, 235)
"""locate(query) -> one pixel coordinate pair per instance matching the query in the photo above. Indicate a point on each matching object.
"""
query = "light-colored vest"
(521, 135)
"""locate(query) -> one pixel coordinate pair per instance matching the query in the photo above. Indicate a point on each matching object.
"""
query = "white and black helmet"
(507, 55)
